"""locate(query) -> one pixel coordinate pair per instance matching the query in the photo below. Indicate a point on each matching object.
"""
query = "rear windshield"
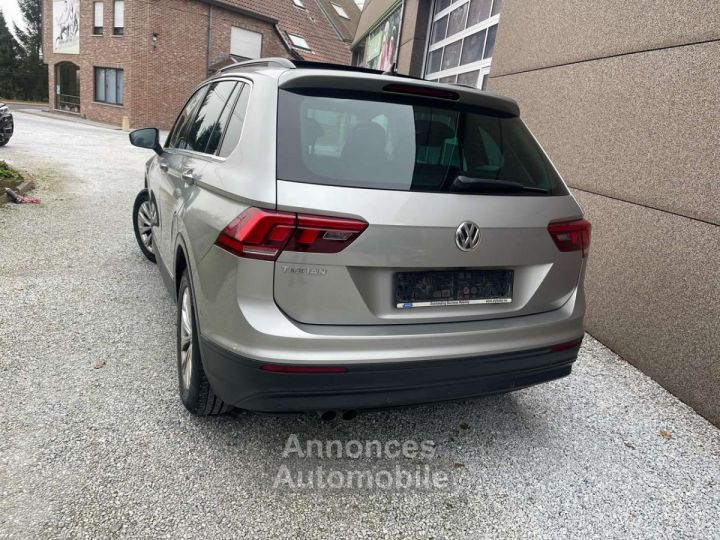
(354, 139)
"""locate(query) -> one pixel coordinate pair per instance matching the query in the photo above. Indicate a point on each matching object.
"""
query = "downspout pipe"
(209, 36)
(402, 25)
(330, 21)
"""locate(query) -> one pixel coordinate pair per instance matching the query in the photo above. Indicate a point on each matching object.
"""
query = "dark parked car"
(6, 124)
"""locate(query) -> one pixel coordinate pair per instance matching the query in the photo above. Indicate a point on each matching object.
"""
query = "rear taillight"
(264, 234)
(571, 235)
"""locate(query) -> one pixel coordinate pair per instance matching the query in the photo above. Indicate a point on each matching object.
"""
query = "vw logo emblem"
(467, 236)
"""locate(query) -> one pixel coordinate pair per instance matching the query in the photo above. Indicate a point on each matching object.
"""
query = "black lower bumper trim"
(239, 381)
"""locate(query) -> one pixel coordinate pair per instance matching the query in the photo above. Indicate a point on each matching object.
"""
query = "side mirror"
(147, 138)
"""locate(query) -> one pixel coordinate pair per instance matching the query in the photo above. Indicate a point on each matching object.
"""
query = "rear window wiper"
(467, 184)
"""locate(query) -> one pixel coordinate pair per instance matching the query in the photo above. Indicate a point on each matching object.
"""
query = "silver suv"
(340, 238)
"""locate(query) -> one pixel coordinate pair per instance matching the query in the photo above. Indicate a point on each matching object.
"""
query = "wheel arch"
(181, 264)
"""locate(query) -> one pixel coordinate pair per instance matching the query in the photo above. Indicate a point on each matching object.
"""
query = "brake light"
(264, 234)
(571, 235)
(565, 346)
(422, 91)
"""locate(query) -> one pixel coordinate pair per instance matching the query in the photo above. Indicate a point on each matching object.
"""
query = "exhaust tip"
(349, 415)
(326, 416)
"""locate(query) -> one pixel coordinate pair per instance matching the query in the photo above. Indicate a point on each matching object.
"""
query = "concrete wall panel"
(642, 127)
(537, 33)
(624, 97)
(653, 288)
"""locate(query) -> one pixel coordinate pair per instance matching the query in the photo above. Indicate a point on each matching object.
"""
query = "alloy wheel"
(186, 338)
(146, 218)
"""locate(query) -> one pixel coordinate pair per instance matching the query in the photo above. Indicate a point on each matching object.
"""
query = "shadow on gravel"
(458, 433)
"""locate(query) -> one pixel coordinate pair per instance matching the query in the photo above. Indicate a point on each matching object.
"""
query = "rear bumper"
(240, 381)
(236, 311)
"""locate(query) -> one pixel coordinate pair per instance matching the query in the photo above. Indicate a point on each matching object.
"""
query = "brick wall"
(224, 20)
(102, 51)
(165, 72)
(159, 74)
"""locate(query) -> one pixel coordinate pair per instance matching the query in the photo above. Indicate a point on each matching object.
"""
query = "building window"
(119, 18)
(440, 5)
(469, 78)
(490, 42)
(462, 39)
(109, 85)
(299, 41)
(299, 3)
(340, 11)
(244, 43)
(97, 18)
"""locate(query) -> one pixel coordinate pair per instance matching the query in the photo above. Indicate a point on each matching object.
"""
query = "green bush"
(8, 172)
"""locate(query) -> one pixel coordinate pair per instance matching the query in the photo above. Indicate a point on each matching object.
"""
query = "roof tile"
(310, 23)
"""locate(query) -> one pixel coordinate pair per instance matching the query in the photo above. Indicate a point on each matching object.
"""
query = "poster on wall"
(382, 43)
(391, 33)
(66, 26)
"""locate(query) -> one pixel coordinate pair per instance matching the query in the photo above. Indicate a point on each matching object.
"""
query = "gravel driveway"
(91, 451)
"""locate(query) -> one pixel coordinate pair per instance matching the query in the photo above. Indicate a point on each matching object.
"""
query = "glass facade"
(461, 41)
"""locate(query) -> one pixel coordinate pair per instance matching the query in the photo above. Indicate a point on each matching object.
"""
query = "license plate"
(452, 288)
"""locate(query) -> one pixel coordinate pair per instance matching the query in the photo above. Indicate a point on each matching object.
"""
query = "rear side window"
(235, 123)
(209, 124)
(409, 144)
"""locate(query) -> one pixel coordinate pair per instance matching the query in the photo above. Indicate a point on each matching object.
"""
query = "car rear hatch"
(447, 198)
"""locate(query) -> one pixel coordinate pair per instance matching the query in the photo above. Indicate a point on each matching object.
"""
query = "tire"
(195, 391)
(3, 142)
(144, 218)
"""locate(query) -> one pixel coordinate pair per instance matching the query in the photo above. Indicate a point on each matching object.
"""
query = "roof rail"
(259, 63)
(308, 64)
(305, 64)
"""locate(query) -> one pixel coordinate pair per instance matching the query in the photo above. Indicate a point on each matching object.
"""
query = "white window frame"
(98, 11)
(118, 16)
(340, 11)
(483, 65)
(299, 42)
(299, 3)
(244, 38)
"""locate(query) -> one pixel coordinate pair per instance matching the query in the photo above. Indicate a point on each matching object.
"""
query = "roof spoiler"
(304, 64)
(258, 64)
(507, 105)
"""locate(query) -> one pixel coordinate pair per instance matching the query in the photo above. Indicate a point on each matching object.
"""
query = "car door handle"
(187, 176)
(163, 166)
